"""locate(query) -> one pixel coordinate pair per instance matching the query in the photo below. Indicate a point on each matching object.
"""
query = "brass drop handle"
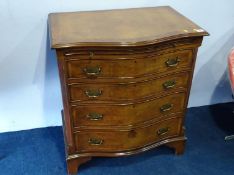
(93, 93)
(166, 107)
(163, 131)
(169, 84)
(92, 72)
(94, 116)
(95, 141)
(172, 62)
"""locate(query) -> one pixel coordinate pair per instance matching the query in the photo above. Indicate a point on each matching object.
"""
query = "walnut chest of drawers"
(125, 78)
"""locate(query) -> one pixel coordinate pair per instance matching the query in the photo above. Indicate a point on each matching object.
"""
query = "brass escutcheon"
(163, 131)
(169, 84)
(93, 93)
(94, 116)
(95, 141)
(166, 107)
(172, 62)
(92, 72)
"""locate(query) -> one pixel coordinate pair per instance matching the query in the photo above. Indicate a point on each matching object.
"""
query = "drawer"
(127, 91)
(114, 141)
(128, 66)
(127, 114)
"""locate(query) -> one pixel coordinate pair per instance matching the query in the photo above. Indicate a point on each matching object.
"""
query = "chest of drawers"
(125, 79)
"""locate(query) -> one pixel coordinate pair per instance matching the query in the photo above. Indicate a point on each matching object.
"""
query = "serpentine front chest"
(125, 78)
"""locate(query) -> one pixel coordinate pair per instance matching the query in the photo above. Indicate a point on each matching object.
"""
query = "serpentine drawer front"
(128, 66)
(105, 141)
(127, 113)
(125, 78)
(128, 91)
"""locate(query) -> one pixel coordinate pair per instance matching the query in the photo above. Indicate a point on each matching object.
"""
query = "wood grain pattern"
(127, 114)
(179, 139)
(129, 67)
(130, 27)
(131, 90)
(125, 80)
(164, 47)
(127, 140)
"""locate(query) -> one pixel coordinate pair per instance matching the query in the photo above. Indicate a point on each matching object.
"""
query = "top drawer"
(127, 66)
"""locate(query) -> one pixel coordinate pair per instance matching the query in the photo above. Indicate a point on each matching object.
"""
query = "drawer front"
(122, 67)
(129, 114)
(108, 141)
(127, 91)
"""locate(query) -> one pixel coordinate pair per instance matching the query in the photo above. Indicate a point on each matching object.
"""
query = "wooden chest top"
(127, 27)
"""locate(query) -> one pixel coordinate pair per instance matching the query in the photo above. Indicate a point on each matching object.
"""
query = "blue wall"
(30, 94)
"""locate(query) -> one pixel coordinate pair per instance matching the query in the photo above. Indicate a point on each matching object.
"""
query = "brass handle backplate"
(163, 131)
(93, 93)
(169, 84)
(92, 72)
(172, 62)
(166, 107)
(94, 116)
(95, 141)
